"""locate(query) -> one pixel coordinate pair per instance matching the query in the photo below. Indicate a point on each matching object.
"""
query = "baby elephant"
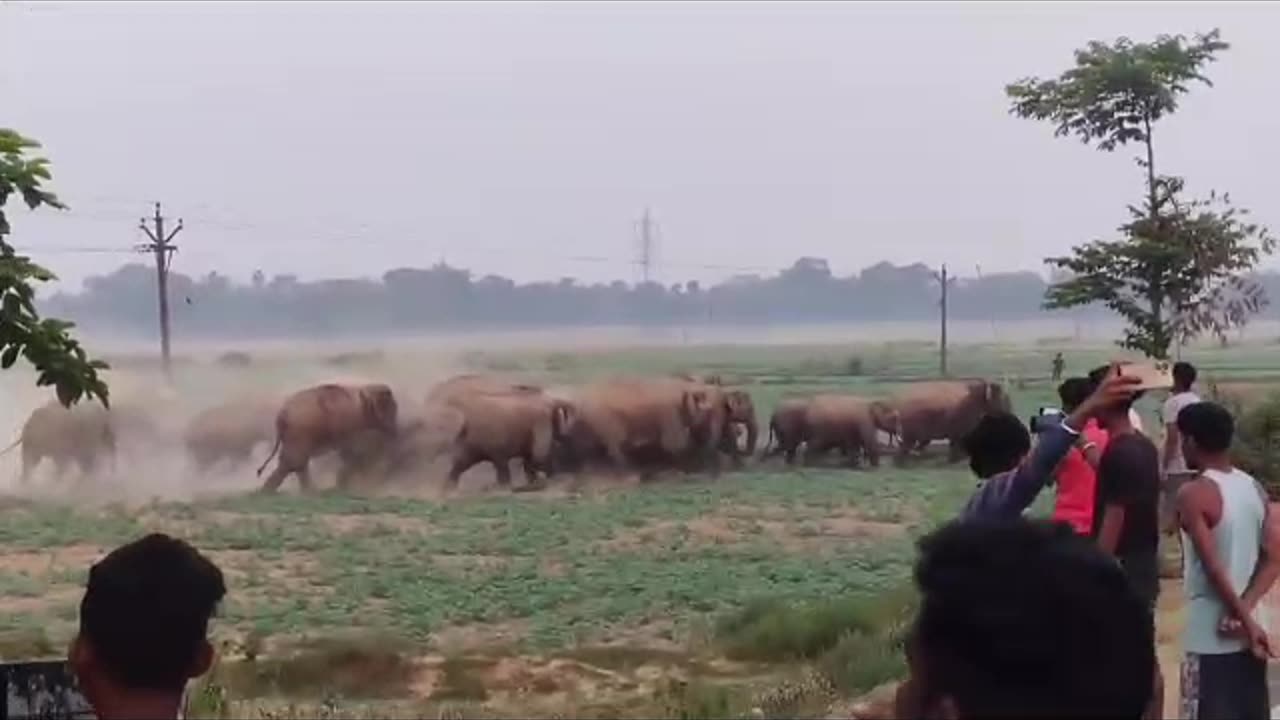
(229, 433)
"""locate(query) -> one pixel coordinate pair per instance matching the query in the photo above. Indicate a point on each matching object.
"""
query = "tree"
(1182, 266)
(44, 342)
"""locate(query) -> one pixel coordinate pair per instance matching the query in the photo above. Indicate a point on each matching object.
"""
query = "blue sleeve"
(1005, 496)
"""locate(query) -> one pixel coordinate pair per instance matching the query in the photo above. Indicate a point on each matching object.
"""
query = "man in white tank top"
(1231, 558)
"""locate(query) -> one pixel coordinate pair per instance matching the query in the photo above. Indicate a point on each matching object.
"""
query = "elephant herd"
(644, 424)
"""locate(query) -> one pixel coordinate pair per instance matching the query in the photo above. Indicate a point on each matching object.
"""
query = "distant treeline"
(444, 297)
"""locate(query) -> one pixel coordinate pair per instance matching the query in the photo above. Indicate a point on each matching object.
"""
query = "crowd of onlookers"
(1017, 618)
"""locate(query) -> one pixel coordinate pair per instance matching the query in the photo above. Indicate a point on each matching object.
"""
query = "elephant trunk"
(753, 431)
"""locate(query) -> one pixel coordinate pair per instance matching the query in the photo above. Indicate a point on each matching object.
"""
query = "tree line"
(444, 297)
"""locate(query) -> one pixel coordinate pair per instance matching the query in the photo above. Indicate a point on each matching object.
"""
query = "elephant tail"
(274, 449)
(12, 445)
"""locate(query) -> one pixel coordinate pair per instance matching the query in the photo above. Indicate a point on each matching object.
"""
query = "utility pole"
(163, 248)
(646, 242)
(945, 282)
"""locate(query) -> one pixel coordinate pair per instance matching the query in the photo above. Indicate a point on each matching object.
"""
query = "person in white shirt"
(1173, 465)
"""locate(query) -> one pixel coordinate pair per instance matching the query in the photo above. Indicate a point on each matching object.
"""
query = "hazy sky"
(335, 139)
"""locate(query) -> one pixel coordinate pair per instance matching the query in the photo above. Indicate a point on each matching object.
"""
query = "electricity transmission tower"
(162, 247)
(646, 245)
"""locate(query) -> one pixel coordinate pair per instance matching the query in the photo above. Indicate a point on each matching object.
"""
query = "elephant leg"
(30, 461)
(304, 478)
(277, 476)
(955, 450)
(462, 462)
(503, 469)
(868, 439)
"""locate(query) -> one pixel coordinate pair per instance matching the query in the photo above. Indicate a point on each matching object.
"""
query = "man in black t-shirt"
(1127, 504)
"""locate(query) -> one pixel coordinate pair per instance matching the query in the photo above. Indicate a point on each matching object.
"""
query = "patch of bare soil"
(38, 562)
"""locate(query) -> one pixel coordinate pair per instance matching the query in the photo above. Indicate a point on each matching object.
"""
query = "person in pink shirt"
(1077, 480)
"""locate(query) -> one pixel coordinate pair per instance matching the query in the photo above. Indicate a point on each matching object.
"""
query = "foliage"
(1171, 278)
(44, 342)
(1256, 448)
(1116, 92)
(1181, 267)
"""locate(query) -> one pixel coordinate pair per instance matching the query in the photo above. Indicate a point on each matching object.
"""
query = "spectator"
(1172, 462)
(1011, 473)
(1022, 619)
(1059, 364)
(144, 621)
(1126, 503)
(1076, 477)
(1233, 559)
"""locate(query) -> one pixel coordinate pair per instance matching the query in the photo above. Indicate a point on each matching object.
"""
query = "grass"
(770, 588)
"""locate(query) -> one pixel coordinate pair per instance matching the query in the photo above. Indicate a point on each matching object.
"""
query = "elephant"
(230, 432)
(355, 420)
(849, 423)
(651, 419)
(81, 434)
(789, 425)
(470, 384)
(787, 430)
(500, 427)
(945, 410)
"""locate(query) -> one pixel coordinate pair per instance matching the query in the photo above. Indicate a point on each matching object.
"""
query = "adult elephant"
(945, 410)
(787, 429)
(848, 423)
(500, 427)
(461, 386)
(660, 419)
(82, 434)
(329, 417)
(229, 432)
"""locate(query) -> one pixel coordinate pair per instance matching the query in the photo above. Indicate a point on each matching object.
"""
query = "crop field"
(774, 588)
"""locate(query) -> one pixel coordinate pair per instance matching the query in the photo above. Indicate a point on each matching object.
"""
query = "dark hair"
(1097, 375)
(1184, 375)
(146, 611)
(1074, 391)
(998, 443)
(1023, 619)
(1209, 424)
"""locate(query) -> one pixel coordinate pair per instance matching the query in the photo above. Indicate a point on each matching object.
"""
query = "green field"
(613, 600)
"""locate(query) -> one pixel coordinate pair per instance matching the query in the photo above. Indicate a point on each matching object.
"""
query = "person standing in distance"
(1232, 558)
(1171, 460)
(144, 623)
(1126, 504)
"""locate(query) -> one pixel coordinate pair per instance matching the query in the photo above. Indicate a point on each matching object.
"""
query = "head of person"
(1118, 412)
(144, 623)
(996, 444)
(1074, 391)
(1205, 429)
(1184, 376)
(1022, 619)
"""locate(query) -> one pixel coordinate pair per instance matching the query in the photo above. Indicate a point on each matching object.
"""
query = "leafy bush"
(773, 630)
(1257, 443)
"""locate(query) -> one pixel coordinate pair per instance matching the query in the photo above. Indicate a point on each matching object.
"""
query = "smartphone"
(1155, 374)
(42, 690)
